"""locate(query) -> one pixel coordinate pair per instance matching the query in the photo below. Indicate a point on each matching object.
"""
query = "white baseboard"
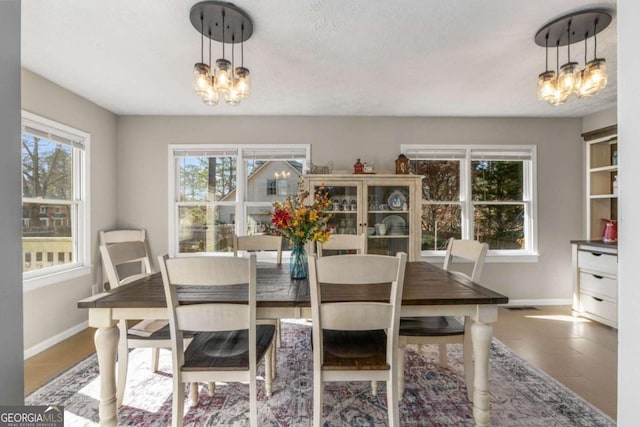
(519, 302)
(42, 346)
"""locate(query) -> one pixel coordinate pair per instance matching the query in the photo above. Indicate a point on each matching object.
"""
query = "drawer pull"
(596, 254)
(597, 299)
(597, 277)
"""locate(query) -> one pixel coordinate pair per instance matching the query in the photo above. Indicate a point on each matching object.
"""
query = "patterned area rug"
(434, 396)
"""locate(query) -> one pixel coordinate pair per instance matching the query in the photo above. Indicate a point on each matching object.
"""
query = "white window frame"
(80, 142)
(529, 196)
(243, 152)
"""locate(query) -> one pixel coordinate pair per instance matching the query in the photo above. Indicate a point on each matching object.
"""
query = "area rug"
(434, 396)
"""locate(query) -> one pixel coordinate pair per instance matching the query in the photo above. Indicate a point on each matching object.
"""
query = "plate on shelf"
(396, 201)
(395, 224)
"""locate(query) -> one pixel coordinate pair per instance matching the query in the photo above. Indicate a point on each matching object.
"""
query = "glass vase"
(298, 263)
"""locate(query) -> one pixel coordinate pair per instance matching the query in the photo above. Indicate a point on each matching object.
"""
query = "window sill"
(33, 283)
(491, 259)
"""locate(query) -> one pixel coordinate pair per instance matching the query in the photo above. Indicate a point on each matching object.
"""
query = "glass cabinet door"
(345, 199)
(388, 219)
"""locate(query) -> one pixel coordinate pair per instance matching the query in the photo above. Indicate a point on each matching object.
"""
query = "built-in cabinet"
(385, 207)
(595, 262)
(595, 280)
(601, 179)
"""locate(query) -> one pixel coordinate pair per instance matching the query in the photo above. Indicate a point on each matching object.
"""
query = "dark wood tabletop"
(424, 284)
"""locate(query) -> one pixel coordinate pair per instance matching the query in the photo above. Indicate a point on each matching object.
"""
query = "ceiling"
(315, 58)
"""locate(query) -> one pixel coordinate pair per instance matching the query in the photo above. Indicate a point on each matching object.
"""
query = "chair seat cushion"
(226, 350)
(430, 326)
(366, 350)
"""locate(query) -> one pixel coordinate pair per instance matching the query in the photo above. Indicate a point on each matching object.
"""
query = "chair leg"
(274, 361)
(253, 402)
(212, 389)
(194, 394)
(318, 390)
(155, 359)
(177, 410)
(374, 388)
(401, 352)
(392, 400)
(442, 348)
(123, 362)
(268, 366)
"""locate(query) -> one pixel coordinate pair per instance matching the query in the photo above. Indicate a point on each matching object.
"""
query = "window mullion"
(466, 197)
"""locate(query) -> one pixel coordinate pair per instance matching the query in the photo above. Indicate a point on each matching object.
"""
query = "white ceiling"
(319, 57)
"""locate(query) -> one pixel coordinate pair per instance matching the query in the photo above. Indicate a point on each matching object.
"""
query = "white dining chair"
(443, 330)
(125, 259)
(228, 344)
(355, 340)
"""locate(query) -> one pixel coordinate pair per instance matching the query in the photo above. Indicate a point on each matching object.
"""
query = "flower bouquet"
(301, 223)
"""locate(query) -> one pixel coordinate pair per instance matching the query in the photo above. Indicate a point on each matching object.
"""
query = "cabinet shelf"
(612, 168)
(603, 196)
(390, 236)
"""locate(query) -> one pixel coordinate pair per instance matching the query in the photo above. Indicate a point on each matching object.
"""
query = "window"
(221, 190)
(484, 193)
(271, 187)
(54, 197)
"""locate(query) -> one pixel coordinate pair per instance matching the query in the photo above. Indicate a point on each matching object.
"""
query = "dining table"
(428, 291)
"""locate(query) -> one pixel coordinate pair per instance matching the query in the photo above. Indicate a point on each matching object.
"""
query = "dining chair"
(443, 330)
(355, 340)
(125, 259)
(343, 242)
(259, 242)
(228, 344)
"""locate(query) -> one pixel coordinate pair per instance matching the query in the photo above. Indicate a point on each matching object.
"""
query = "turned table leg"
(106, 341)
(481, 335)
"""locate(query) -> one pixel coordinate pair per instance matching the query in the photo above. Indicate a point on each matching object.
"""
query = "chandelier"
(228, 24)
(556, 86)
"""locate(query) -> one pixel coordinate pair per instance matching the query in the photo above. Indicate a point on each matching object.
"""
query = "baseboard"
(516, 302)
(42, 346)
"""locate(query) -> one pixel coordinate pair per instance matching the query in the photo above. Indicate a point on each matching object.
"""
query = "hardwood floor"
(579, 353)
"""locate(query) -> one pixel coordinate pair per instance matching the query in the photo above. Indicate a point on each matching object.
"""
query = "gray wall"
(11, 367)
(629, 206)
(142, 172)
(52, 310)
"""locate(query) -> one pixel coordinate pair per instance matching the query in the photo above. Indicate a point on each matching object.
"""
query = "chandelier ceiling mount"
(228, 24)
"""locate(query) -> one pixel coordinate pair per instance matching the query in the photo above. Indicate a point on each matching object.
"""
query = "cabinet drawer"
(598, 261)
(599, 285)
(599, 307)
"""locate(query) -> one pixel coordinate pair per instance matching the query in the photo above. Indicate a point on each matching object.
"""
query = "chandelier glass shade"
(569, 78)
(227, 24)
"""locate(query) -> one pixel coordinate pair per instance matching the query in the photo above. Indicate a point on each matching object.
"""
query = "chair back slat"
(207, 271)
(258, 242)
(353, 242)
(125, 252)
(357, 269)
(468, 250)
(119, 236)
(356, 316)
(212, 317)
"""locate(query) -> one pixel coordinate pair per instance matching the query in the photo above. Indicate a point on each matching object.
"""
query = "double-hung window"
(218, 190)
(484, 193)
(54, 200)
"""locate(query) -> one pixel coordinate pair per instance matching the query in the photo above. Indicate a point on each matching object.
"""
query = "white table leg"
(481, 335)
(106, 341)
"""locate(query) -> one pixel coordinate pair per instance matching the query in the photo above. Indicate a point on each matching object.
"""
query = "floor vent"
(522, 307)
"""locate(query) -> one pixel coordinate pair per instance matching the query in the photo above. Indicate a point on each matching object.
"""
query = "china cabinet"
(385, 207)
